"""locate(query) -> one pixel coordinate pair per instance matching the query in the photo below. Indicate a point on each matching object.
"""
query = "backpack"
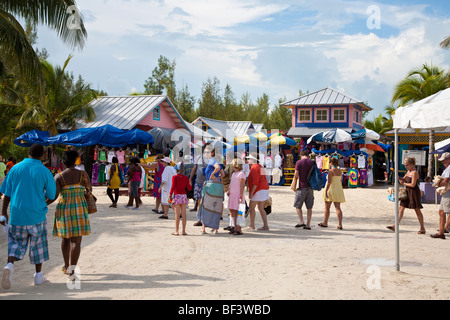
(315, 178)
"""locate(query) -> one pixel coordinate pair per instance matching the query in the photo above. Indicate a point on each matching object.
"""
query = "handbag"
(91, 200)
(402, 194)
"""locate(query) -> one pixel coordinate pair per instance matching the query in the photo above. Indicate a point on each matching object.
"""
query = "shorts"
(180, 199)
(261, 195)
(165, 196)
(445, 204)
(134, 188)
(198, 187)
(19, 237)
(304, 195)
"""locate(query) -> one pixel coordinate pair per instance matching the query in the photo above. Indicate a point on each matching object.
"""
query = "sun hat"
(167, 160)
(445, 155)
(178, 166)
(251, 157)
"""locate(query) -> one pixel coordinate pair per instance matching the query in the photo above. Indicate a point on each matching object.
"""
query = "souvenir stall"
(280, 149)
(98, 146)
(354, 152)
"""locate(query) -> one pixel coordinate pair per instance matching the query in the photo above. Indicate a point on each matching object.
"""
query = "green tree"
(421, 83)
(280, 117)
(66, 101)
(162, 80)
(210, 105)
(16, 52)
(185, 104)
(233, 110)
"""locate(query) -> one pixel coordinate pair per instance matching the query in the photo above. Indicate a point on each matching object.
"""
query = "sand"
(132, 255)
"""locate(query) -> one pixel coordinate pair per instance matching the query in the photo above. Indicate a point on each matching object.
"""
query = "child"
(236, 194)
(178, 195)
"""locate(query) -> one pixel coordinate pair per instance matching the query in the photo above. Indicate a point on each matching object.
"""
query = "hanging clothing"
(120, 156)
(111, 155)
(353, 178)
(363, 178)
(361, 161)
(353, 162)
(326, 162)
(319, 162)
(95, 154)
(94, 179)
(102, 155)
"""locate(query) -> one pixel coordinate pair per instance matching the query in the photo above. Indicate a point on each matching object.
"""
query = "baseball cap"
(167, 159)
(445, 155)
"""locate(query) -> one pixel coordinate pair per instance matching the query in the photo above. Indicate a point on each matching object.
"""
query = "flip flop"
(298, 225)
(322, 225)
(392, 228)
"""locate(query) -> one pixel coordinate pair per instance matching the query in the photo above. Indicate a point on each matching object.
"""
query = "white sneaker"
(39, 278)
(7, 276)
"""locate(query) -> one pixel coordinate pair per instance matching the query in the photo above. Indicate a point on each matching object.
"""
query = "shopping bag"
(241, 215)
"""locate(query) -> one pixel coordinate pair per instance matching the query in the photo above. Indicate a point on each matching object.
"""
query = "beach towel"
(211, 206)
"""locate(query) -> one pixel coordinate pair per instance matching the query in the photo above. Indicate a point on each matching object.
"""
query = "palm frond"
(52, 13)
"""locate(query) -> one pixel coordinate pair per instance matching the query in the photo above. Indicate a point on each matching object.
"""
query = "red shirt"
(257, 176)
(180, 183)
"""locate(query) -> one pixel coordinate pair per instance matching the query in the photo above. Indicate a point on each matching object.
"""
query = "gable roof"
(128, 111)
(219, 127)
(326, 96)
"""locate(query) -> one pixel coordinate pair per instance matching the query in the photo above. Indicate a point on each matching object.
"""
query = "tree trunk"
(430, 156)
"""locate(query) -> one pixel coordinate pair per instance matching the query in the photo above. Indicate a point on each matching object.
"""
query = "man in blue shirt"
(26, 188)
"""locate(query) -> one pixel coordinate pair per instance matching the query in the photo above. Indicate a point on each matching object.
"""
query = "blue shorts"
(19, 237)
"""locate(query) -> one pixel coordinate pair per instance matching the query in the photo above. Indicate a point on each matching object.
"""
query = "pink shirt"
(235, 184)
(120, 156)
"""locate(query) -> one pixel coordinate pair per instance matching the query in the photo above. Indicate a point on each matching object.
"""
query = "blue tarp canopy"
(107, 135)
(34, 136)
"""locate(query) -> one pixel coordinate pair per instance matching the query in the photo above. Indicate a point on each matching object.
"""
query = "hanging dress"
(353, 178)
(71, 216)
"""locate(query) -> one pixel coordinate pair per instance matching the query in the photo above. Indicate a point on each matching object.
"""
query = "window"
(356, 116)
(156, 113)
(304, 115)
(321, 115)
(339, 115)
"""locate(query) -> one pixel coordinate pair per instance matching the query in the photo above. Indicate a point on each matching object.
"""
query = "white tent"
(431, 113)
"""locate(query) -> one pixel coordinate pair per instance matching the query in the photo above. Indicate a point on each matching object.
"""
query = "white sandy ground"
(132, 255)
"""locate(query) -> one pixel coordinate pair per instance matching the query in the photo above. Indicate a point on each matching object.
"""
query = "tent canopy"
(34, 136)
(105, 135)
(429, 113)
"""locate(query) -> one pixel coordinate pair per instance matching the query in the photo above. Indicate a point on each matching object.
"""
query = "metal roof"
(326, 96)
(240, 127)
(128, 111)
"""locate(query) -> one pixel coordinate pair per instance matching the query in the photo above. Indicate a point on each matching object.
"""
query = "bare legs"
(252, 210)
(419, 217)
(71, 249)
(337, 206)
(180, 208)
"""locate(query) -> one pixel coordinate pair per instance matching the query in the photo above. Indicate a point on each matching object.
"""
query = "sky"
(274, 47)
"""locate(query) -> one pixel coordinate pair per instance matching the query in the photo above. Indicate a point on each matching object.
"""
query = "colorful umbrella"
(281, 140)
(331, 136)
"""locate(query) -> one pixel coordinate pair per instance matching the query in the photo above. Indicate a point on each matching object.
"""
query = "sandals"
(237, 233)
(322, 225)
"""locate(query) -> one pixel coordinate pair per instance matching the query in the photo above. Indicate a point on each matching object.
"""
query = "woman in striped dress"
(71, 216)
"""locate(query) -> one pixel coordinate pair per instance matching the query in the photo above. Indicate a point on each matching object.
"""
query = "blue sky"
(274, 47)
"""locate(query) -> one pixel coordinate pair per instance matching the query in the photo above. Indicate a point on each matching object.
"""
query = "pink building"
(136, 112)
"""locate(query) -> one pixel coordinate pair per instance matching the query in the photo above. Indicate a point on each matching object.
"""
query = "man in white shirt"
(166, 184)
(445, 200)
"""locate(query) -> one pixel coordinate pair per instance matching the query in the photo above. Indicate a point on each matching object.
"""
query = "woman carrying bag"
(410, 181)
(71, 216)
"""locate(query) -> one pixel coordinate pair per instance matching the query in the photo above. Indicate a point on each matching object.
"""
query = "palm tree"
(378, 124)
(446, 43)
(66, 102)
(421, 83)
(15, 48)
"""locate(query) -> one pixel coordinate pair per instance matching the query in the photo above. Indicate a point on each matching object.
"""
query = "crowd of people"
(29, 187)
